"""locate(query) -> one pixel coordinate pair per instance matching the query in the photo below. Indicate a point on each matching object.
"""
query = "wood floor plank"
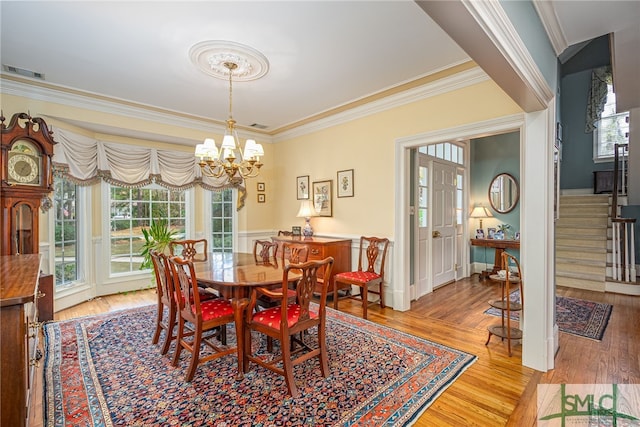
(496, 390)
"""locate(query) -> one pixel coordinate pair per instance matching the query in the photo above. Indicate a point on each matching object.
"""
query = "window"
(131, 209)
(611, 129)
(66, 232)
(445, 151)
(222, 221)
(423, 196)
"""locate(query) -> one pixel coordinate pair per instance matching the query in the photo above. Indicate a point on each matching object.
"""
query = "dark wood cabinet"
(19, 334)
(603, 181)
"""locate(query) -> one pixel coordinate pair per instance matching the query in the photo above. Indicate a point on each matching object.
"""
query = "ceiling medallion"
(211, 56)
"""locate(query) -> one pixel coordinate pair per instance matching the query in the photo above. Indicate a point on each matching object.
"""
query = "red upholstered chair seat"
(271, 316)
(359, 276)
(215, 308)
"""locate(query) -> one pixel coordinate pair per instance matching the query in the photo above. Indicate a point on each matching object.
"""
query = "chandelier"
(230, 160)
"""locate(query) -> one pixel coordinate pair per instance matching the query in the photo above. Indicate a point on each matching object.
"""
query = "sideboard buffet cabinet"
(20, 330)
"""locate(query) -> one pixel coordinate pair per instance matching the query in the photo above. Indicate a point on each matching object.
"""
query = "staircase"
(581, 241)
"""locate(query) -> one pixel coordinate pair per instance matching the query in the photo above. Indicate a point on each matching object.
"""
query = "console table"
(499, 245)
(320, 248)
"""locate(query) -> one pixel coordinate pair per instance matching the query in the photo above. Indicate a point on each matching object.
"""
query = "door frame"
(401, 269)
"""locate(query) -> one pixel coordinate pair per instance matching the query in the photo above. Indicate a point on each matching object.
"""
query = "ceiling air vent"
(259, 126)
(23, 72)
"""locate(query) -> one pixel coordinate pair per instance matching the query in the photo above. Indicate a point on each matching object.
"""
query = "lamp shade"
(480, 212)
(306, 209)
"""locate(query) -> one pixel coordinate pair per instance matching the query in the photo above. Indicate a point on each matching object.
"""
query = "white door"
(443, 221)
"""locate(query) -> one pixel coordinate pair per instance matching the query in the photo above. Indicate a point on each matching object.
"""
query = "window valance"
(600, 78)
(85, 160)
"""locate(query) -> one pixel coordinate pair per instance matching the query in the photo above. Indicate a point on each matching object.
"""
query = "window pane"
(134, 209)
(222, 221)
(66, 232)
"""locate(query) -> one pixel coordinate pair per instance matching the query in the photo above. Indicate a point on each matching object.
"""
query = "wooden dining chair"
(288, 319)
(374, 249)
(264, 251)
(194, 250)
(166, 299)
(505, 304)
(285, 233)
(196, 316)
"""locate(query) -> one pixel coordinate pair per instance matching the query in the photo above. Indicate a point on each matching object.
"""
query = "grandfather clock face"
(24, 164)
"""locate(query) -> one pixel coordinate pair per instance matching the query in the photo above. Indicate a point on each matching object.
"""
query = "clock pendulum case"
(25, 180)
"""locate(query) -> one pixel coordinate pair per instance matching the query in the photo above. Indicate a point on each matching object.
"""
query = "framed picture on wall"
(302, 187)
(322, 197)
(261, 186)
(345, 183)
(262, 198)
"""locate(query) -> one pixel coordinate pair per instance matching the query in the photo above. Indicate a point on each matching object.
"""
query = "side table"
(504, 330)
(499, 245)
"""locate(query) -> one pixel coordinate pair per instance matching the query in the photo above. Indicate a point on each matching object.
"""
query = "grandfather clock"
(26, 180)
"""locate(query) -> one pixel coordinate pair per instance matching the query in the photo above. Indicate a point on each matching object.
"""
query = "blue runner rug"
(574, 316)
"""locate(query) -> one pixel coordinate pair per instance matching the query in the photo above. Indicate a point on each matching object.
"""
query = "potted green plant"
(157, 237)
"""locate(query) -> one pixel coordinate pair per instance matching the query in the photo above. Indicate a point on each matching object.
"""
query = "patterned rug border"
(602, 310)
(406, 415)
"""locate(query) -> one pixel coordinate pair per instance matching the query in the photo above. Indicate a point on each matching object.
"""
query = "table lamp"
(480, 212)
(307, 210)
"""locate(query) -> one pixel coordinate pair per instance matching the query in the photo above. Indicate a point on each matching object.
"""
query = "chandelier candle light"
(215, 163)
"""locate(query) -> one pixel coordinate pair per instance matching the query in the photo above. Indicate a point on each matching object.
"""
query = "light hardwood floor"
(496, 390)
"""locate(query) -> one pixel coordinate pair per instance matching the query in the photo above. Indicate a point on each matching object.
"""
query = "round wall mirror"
(504, 193)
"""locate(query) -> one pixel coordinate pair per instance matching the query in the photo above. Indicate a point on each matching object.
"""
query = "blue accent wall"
(527, 23)
(491, 156)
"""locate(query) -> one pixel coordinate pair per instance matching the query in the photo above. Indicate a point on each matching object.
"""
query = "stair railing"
(623, 250)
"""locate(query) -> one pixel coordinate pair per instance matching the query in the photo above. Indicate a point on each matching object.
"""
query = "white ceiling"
(322, 54)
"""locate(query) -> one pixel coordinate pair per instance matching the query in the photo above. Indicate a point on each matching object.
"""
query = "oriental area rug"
(104, 371)
(574, 316)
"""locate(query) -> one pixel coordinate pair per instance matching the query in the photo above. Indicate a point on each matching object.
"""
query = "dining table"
(234, 275)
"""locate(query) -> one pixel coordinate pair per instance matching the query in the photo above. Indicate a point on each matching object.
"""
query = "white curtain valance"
(86, 160)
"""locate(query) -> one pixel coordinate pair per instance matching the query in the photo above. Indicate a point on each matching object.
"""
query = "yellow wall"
(365, 145)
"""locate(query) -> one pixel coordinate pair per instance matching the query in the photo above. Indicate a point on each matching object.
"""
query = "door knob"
(436, 234)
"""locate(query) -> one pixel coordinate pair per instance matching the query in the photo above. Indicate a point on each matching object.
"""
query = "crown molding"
(73, 98)
(496, 24)
(457, 81)
(547, 15)
(88, 101)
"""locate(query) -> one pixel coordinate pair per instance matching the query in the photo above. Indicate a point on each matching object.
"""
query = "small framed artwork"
(262, 198)
(517, 236)
(479, 233)
(302, 187)
(491, 233)
(345, 183)
(296, 231)
(322, 197)
(261, 186)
